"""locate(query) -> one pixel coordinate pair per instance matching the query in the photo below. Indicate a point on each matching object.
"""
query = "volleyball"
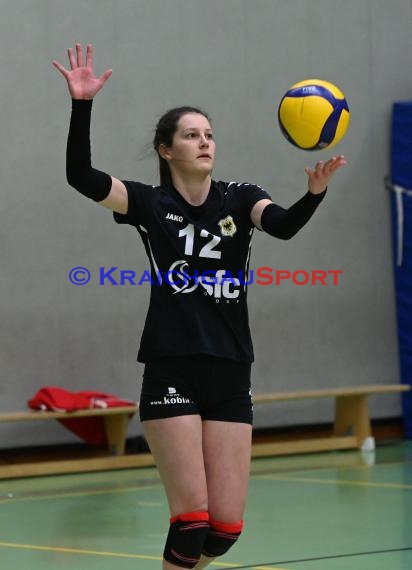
(313, 114)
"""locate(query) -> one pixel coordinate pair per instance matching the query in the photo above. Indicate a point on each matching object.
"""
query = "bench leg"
(116, 427)
(352, 418)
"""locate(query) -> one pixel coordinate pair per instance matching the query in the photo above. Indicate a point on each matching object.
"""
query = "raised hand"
(81, 80)
(319, 178)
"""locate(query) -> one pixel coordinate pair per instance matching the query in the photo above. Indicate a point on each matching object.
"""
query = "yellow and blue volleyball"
(313, 114)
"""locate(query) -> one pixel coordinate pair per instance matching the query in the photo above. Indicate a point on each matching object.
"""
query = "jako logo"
(174, 217)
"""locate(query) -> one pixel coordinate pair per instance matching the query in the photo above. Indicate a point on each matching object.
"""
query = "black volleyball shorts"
(215, 388)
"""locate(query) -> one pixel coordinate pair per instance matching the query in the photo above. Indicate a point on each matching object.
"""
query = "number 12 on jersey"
(208, 250)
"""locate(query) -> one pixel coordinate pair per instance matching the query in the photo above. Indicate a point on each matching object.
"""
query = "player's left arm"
(319, 178)
(285, 223)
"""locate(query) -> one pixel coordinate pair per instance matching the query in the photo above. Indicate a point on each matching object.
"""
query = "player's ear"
(164, 152)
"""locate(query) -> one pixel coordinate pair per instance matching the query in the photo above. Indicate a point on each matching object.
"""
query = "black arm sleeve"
(285, 223)
(88, 181)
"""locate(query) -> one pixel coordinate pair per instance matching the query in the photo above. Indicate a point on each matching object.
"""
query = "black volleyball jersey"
(199, 260)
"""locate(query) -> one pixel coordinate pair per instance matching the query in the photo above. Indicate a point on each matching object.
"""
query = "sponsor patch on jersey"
(227, 226)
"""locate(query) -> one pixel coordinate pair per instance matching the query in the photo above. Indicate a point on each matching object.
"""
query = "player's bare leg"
(176, 444)
(227, 453)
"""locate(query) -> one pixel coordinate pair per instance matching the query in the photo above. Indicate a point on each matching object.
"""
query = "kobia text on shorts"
(262, 276)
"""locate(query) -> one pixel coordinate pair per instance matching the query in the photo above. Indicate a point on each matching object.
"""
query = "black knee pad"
(221, 537)
(184, 543)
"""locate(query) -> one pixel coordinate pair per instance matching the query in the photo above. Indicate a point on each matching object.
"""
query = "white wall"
(235, 58)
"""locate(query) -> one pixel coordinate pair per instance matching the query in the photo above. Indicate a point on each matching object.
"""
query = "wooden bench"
(351, 430)
(115, 422)
(352, 426)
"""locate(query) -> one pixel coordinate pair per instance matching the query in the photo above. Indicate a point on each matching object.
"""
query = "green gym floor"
(334, 511)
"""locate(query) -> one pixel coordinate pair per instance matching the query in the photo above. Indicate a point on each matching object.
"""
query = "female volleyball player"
(195, 403)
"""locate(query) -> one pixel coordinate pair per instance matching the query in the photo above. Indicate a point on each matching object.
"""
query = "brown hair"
(165, 129)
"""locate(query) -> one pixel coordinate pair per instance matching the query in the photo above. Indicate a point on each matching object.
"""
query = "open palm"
(81, 80)
(319, 177)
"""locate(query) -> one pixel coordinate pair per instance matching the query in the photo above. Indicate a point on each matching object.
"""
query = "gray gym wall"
(235, 58)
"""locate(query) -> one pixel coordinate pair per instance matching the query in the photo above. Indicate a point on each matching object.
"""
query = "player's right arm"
(83, 86)
(117, 198)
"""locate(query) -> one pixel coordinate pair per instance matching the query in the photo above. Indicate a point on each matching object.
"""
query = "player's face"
(193, 147)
